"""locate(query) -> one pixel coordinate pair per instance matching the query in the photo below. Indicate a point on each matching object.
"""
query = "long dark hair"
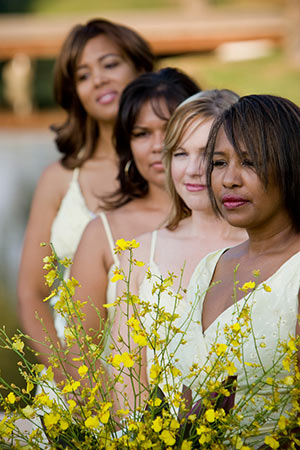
(268, 128)
(168, 84)
(80, 130)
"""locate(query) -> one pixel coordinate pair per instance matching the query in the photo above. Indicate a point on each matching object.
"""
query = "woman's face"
(102, 73)
(146, 143)
(187, 166)
(240, 194)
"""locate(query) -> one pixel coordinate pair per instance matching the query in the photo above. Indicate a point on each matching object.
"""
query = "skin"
(194, 237)
(102, 71)
(93, 258)
(271, 237)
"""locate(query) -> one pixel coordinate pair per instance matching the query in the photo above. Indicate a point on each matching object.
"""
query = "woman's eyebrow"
(100, 59)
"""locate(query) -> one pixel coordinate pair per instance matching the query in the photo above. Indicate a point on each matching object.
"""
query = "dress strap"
(153, 245)
(109, 236)
(75, 174)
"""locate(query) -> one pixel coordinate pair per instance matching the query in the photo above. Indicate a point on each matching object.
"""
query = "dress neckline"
(259, 285)
(75, 181)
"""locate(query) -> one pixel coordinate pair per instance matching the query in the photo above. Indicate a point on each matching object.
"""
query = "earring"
(127, 168)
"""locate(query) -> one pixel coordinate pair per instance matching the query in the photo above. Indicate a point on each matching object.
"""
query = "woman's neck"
(274, 238)
(206, 222)
(158, 197)
(105, 147)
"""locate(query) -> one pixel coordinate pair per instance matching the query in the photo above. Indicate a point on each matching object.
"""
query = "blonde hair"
(203, 105)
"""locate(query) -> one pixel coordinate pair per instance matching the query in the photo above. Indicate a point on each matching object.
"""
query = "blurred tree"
(15, 6)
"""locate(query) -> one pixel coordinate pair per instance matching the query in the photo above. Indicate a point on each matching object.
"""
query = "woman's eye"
(177, 154)
(139, 134)
(111, 65)
(218, 163)
(82, 76)
(248, 163)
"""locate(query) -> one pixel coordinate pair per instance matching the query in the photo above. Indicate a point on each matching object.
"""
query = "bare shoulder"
(143, 251)
(56, 175)
(94, 234)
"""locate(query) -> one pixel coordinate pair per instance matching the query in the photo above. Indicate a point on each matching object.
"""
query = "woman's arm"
(131, 389)
(31, 282)
(90, 268)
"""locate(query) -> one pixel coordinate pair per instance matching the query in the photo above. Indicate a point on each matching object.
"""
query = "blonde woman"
(193, 229)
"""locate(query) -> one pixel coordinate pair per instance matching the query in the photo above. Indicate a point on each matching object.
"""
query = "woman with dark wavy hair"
(141, 203)
(96, 62)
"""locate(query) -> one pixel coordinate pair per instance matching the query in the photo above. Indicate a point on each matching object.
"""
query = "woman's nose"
(195, 167)
(157, 145)
(99, 77)
(232, 176)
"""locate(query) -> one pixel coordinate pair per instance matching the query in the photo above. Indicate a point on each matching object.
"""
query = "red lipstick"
(233, 201)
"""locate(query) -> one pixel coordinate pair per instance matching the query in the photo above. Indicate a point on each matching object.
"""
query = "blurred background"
(250, 46)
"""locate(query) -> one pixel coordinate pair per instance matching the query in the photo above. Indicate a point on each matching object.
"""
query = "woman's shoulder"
(56, 175)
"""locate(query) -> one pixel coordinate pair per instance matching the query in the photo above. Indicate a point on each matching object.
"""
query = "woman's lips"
(107, 98)
(158, 165)
(195, 187)
(232, 202)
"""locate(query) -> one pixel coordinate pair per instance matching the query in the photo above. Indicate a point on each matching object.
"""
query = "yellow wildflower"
(256, 272)
(186, 445)
(5, 429)
(292, 345)
(157, 424)
(286, 364)
(51, 419)
(210, 415)
(140, 339)
(139, 263)
(174, 425)
(123, 411)
(105, 414)
(127, 359)
(71, 387)
(50, 277)
(117, 275)
(64, 424)
(28, 412)
(44, 399)
(221, 349)
(134, 323)
(267, 288)
(18, 345)
(92, 422)
(11, 398)
(72, 404)
(271, 442)
(38, 368)
(116, 361)
(231, 369)
(288, 381)
(248, 285)
(82, 370)
(282, 423)
(49, 374)
(122, 245)
(236, 327)
(29, 387)
(155, 372)
(167, 437)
